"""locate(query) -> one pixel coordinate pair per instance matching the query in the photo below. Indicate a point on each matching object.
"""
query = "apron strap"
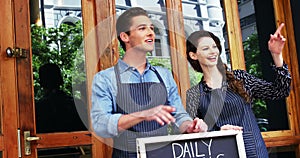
(158, 75)
(118, 79)
(117, 72)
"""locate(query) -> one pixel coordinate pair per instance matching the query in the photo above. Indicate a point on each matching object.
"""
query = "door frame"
(8, 90)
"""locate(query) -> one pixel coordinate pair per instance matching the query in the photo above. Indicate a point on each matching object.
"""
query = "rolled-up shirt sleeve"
(104, 122)
(174, 99)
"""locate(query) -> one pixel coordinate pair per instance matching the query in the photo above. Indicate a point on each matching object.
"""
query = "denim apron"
(133, 97)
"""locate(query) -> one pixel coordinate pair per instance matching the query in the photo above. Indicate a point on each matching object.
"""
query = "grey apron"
(133, 97)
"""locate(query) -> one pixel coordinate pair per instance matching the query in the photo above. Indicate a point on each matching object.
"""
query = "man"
(135, 99)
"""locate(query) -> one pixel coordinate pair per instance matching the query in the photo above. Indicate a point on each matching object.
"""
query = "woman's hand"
(276, 44)
(231, 127)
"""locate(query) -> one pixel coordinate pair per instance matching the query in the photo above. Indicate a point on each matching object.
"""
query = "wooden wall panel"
(234, 34)
(90, 43)
(24, 72)
(283, 13)
(177, 46)
(101, 51)
(290, 57)
(52, 140)
(8, 85)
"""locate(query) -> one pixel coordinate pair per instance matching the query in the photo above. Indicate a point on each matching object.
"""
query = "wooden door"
(17, 110)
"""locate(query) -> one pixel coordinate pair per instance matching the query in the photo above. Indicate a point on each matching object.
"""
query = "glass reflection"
(58, 66)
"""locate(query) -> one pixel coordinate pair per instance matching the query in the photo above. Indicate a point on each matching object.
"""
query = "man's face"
(142, 35)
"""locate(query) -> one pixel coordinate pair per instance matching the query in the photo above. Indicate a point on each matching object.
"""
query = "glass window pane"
(209, 15)
(278, 152)
(58, 67)
(271, 115)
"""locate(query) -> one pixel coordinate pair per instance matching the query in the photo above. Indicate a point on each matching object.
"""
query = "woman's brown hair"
(191, 46)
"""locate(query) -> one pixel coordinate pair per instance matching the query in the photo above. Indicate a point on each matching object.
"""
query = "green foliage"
(195, 77)
(253, 66)
(155, 61)
(62, 46)
(252, 56)
(121, 51)
(159, 61)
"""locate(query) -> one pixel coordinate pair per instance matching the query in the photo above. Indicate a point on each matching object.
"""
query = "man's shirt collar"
(124, 66)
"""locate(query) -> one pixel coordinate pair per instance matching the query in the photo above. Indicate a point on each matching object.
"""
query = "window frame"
(94, 11)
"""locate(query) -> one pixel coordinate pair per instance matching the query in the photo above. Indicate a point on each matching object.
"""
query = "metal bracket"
(16, 52)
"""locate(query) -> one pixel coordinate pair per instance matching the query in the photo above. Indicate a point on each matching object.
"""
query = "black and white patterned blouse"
(222, 106)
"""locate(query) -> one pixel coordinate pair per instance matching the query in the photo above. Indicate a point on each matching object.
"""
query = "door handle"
(32, 138)
(28, 139)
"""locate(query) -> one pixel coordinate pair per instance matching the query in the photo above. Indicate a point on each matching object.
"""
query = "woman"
(223, 97)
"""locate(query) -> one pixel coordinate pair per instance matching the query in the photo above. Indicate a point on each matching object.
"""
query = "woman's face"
(207, 52)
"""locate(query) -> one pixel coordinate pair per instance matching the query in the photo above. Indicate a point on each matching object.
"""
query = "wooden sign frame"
(142, 142)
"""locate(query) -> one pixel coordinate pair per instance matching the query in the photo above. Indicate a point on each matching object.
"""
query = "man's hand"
(161, 114)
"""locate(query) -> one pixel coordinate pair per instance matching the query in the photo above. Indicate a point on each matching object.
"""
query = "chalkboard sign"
(217, 144)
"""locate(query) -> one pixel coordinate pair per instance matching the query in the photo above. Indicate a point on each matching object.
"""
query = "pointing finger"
(279, 29)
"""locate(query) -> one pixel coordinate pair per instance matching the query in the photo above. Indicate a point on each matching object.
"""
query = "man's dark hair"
(124, 21)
